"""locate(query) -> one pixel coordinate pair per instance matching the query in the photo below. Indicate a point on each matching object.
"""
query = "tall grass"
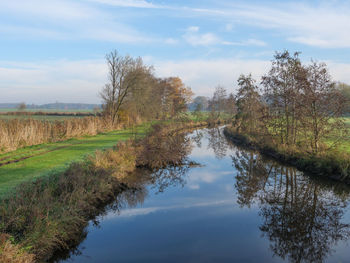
(19, 133)
(11, 253)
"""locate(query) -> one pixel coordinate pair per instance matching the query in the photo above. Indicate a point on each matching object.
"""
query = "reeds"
(10, 253)
(18, 133)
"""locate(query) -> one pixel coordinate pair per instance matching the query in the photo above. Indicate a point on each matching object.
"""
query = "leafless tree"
(282, 84)
(322, 106)
(123, 74)
(249, 106)
(22, 106)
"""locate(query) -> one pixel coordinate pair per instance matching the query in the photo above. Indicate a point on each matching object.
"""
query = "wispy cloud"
(249, 42)
(193, 37)
(127, 3)
(203, 75)
(68, 20)
(79, 81)
(323, 25)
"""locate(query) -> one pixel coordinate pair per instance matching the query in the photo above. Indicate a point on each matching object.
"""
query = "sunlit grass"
(54, 157)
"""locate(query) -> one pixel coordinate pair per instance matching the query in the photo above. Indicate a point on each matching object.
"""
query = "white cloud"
(323, 25)
(203, 75)
(80, 81)
(171, 41)
(68, 20)
(140, 211)
(249, 42)
(127, 3)
(193, 37)
(49, 81)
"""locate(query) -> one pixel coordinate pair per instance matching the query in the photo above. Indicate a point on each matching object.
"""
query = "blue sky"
(54, 50)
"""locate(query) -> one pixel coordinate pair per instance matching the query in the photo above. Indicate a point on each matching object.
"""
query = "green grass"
(55, 157)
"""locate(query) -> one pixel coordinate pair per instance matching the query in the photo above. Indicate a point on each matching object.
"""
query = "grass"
(46, 159)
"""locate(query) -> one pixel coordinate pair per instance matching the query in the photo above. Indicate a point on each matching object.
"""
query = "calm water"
(236, 207)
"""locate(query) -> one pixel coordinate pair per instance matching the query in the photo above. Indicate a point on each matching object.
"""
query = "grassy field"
(40, 160)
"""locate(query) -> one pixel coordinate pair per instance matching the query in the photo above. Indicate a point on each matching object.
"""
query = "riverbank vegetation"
(51, 212)
(297, 116)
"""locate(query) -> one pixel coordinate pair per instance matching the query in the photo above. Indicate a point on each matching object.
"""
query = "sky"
(54, 50)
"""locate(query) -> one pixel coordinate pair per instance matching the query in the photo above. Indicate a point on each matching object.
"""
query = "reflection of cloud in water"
(148, 210)
(198, 177)
(200, 153)
(194, 186)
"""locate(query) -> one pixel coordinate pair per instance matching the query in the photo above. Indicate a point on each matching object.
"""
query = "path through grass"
(45, 159)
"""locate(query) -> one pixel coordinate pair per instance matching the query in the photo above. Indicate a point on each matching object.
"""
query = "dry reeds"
(10, 253)
(18, 133)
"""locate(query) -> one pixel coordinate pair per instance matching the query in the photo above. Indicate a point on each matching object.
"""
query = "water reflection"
(301, 218)
(291, 217)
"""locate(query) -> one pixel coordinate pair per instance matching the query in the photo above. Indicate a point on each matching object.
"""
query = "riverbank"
(50, 213)
(333, 165)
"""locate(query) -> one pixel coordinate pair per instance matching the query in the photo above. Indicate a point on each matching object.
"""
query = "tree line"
(133, 92)
(295, 104)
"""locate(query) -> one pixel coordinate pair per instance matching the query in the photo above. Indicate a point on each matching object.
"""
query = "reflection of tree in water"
(301, 218)
(197, 137)
(252, 176)
(128, 197)
(170, 152)
(170, 176)
(217, 142)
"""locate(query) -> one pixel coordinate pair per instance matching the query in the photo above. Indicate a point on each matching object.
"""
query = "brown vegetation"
(19, 133)
(10, 253)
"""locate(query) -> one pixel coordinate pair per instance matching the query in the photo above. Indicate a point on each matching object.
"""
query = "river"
(236, 206)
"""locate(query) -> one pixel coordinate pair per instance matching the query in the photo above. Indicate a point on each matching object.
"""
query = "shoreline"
(326, 166)
(72, 198)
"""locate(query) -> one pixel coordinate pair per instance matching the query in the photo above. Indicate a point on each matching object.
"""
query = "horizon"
(54, 50)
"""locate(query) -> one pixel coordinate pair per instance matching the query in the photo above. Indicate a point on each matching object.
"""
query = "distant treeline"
(53, 106)
(50, 113)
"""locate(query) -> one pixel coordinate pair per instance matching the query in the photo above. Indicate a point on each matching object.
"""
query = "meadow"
(40, 160)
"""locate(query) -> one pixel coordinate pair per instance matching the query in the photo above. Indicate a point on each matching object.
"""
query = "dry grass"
(10, 253)
(119, 161)
(17, 133)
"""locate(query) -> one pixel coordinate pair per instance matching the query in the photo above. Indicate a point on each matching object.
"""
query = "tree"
(282, 85)
(230, 105)
(217, 104)
(22, 106)
(203, 101)
(123, 74)
(249, 106)
(345, 91)
(322, 106)
(176, 96)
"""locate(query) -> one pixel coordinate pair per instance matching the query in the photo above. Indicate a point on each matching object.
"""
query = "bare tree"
(249, 106)
(323, 106)
(123, 73)
(22, 106)
(282, 85)
(217, 104)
